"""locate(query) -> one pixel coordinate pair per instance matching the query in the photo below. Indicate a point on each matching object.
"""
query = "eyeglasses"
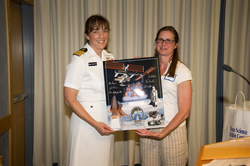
(167, 41)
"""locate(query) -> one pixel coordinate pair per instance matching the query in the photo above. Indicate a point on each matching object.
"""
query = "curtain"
(237, 51)
(59, 31)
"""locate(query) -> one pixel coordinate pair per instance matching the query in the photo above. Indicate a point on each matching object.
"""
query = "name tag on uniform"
(170, 78)
(92, 63)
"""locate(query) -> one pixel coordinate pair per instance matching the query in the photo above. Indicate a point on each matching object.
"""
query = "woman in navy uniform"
(89, 142)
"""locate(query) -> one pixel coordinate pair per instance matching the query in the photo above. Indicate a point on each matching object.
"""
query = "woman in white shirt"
(168, 146)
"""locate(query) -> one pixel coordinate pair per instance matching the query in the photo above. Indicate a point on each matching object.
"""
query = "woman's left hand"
(146, 133)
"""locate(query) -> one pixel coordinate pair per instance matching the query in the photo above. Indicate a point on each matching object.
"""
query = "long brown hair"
(175, 58)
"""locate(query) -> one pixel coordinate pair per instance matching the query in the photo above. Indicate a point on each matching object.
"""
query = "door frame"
(28, 58)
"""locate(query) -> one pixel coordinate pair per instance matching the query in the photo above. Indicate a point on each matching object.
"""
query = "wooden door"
(17, 85)
(13, 124)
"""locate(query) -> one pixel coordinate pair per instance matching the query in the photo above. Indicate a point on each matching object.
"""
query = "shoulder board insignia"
(81, 51)
(108, 51)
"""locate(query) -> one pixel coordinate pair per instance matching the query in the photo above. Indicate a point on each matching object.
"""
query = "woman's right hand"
(76, 107)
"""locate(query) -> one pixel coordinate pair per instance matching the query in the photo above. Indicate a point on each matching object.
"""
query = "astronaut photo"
(154, 98)
(153, 119)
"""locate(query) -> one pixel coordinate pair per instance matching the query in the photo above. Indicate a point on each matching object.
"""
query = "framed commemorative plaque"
(134, 94)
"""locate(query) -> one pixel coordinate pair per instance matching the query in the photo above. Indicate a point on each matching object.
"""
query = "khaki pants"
(170, 151)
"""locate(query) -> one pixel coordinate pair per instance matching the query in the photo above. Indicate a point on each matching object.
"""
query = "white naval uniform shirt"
(169, 88)
(85, 74)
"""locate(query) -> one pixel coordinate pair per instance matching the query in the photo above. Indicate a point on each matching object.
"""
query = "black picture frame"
(142, 77)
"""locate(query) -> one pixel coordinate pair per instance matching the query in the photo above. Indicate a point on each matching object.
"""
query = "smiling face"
(164, 49)
(98, 39)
